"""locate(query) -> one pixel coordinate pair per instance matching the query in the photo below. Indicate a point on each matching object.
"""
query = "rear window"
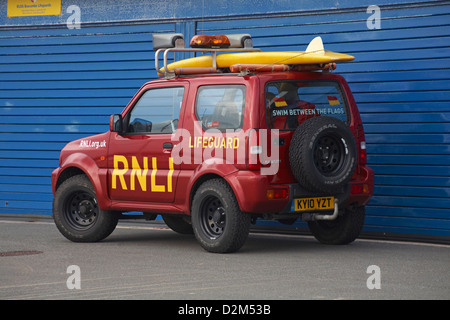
(289, 103)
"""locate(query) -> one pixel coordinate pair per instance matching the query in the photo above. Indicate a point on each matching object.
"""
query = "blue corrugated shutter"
(57, 85)
(401, 84)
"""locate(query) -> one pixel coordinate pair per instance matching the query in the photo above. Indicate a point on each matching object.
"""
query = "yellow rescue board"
(283, 57)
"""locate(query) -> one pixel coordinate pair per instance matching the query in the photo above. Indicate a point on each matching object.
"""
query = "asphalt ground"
(146, 260)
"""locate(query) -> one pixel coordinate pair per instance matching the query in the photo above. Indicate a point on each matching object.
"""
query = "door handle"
(168, 145)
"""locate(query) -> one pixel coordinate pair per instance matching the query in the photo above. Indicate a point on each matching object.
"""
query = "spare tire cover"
(323, 154)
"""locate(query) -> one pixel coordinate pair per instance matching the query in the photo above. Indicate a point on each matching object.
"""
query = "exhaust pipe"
(320, 216)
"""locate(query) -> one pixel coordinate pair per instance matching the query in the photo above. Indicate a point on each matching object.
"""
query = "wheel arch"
(81, 164)
(208, 176)
(198, 182)
(68, 173)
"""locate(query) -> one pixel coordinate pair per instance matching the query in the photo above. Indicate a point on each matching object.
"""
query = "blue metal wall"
(57, 85)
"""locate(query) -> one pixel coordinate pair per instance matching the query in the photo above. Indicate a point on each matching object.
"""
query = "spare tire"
(323, 154)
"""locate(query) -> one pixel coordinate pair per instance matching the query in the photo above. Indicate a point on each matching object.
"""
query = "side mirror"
(116, 123)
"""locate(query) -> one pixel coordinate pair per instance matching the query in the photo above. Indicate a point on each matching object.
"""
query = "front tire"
(219, 224)
(76, 212)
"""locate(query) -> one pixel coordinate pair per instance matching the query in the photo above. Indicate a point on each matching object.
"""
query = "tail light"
(277, 193)
(360, 189)
(362, 145)
(363, 154)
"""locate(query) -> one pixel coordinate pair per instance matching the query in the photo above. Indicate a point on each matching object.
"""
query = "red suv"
(212, 152)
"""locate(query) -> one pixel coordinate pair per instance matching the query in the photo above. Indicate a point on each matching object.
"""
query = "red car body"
(135, 172)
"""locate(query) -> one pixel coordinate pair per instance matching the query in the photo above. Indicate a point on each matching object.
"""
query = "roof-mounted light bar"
(168, 40)
(206, 41)
(222, 41)
(174, 42)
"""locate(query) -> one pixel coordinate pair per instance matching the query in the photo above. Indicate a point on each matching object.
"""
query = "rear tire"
(219, 224)
(344, 230)
(76, 212)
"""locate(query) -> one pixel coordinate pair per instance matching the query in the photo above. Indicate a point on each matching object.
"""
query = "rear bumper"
(250, 188)
(362, 187)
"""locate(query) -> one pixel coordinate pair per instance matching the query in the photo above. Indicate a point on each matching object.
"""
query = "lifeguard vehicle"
(220, 140)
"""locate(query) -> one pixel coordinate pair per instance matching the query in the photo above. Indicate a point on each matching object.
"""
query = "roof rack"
(315, 58)
(174, 42)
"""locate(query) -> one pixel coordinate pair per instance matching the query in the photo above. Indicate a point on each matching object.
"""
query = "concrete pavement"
(146, 260)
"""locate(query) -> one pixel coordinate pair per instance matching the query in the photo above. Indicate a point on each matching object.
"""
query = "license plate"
(313, 204)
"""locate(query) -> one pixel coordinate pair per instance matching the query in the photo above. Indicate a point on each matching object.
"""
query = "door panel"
(141, 167)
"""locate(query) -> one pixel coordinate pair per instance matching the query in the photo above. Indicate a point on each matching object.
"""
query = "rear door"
(290, 102)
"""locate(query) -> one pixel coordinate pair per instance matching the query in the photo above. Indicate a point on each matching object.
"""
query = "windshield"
(289, 103)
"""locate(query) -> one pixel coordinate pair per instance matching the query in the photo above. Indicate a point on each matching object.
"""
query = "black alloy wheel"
(329, 154)
(218, 223)
(213, 217)
(77, 214)
(81, 210)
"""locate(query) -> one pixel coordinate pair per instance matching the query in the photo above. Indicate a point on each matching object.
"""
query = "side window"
(221, 106)
(157, 111)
